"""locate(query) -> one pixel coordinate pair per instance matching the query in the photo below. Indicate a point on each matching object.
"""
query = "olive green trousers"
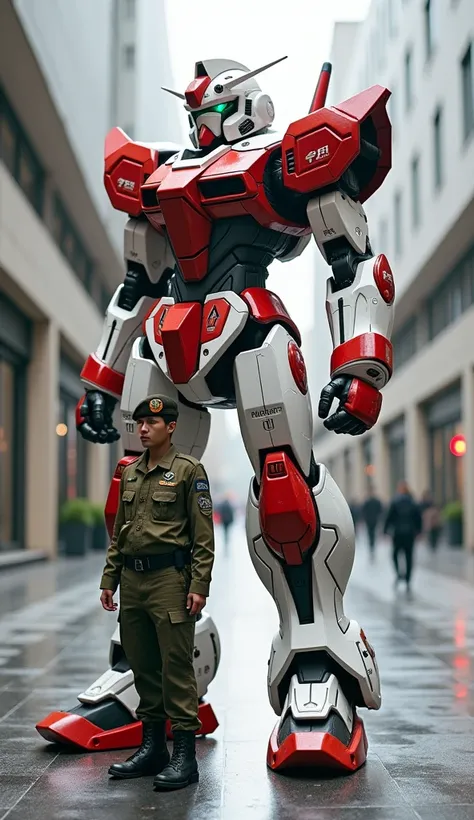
(157, 636)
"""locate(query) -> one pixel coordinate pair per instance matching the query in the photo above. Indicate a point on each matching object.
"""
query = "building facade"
(423, 219)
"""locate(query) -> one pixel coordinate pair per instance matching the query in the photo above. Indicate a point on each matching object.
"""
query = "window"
(129, 9)
(19, 157)
(438, 148)
(415, 192)
(129, 57)
(453, 296)
(431, 30)
(392, 23)
(398, 224)
(405, 342)
(467, 92)
(408, 79)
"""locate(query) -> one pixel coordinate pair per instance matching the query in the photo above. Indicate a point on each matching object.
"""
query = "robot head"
(225, 103)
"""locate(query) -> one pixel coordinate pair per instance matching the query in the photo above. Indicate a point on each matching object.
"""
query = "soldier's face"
(154, 431)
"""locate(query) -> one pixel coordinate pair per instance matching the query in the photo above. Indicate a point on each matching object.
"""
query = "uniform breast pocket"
(127, 498)
(164, 505)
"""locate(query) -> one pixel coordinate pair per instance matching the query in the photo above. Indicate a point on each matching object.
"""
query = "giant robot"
(195, 320)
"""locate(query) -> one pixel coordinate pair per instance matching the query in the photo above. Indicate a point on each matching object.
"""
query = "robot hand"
(94, 417)
(359, 405)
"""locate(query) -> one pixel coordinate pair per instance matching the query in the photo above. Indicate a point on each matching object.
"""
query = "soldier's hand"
(94, 417)
(194, 603)
(107, 600)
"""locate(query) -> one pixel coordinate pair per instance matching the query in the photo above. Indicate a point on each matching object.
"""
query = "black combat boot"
(150, 758)
(182, 768)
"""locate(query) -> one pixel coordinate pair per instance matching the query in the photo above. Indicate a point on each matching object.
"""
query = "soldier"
(161, 554)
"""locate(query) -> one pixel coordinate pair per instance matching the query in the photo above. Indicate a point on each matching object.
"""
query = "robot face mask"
(225, 103)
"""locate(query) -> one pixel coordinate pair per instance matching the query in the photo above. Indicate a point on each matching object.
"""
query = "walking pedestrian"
(371, 513)
(403, 523)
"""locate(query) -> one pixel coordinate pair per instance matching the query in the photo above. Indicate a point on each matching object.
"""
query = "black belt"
(148, 563)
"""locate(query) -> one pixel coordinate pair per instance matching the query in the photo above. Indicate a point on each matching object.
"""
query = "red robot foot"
(309, 748)
(77, 727)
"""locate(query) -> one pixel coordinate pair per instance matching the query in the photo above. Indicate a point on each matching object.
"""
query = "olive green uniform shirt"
(166, 508)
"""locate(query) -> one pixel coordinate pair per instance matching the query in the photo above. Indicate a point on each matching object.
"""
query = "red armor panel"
(102, 375)
(363, 402)
(287, 509)
(267, 307)
(298, 367)
(371, 346)
(195, 91)
(384, 279)
(233, 186)
(318, 148)
(214, 317)
(113, 498)
(158, 321)
(181, 333)
(126, 167)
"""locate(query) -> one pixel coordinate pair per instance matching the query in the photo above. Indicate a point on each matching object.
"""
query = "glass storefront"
(443, 418)
(14, 353)
(395, 434)
(72, 450)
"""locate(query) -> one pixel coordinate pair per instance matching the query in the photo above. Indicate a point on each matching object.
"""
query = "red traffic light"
(458, 445)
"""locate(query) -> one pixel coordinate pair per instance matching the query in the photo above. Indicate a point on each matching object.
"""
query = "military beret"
(157, 406)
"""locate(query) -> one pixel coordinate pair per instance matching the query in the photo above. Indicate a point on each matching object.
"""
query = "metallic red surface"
(158, 321)
(318, 148)
(298, 367)
(287, 510)
(248, 167)
(195, 91)
(72, 729)
(103, 376)
(372, 346)
(113, 497)
(214, 317)
(373, 102)
(126, 166)
(79, 417)
(363, 402)
(384, 279)
(321, 91)
(318, 750)
(205, 136)
(267, 307)
(181, 333)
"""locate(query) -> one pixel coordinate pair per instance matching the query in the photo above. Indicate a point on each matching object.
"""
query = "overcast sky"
(255, 32)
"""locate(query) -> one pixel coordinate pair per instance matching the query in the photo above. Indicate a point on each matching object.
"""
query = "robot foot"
(107, 725)
(317, 745)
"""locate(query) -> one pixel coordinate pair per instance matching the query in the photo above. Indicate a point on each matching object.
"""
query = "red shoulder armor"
(127, 166)
(320, 147)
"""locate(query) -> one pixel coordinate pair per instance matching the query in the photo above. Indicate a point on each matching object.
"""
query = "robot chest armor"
(185, 197)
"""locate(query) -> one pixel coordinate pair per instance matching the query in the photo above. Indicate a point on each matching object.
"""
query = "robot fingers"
(336, 389)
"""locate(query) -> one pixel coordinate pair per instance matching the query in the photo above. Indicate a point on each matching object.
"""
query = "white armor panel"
(334, 215)
(143, 244)
(360, 309)
(331, 631)
(143, 377)
(315, 701)
(272, 410)
(120, 685)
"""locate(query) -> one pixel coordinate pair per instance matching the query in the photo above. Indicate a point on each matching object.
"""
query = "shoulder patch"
(205, 504)
(201, 485)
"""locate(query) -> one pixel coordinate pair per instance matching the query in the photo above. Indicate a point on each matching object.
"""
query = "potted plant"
(99, 532)
(75, 526)
(453, 516)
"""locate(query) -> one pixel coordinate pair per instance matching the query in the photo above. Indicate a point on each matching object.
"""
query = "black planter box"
(99, 538)
(76, 538)
(454, 531)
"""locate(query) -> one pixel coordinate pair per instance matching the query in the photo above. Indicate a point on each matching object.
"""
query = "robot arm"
(149, 262)
(359, 304)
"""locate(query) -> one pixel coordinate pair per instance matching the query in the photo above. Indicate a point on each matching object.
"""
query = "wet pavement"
(54, 642)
